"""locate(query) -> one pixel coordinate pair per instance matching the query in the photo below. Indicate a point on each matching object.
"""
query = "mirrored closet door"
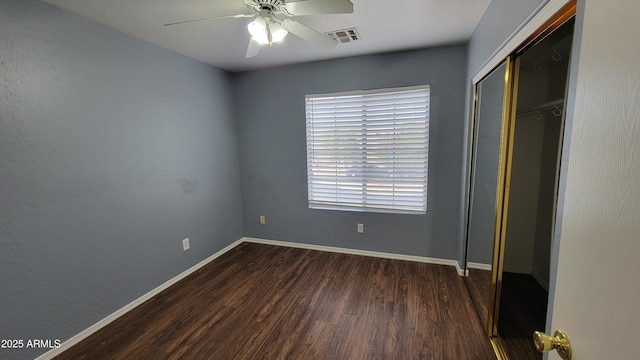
(489, 103)
(514, 170)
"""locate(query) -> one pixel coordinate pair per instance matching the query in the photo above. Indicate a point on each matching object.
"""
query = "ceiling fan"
(273, 21)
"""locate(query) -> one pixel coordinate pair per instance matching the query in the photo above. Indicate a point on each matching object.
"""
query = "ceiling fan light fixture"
(277, 32)
(258, 30)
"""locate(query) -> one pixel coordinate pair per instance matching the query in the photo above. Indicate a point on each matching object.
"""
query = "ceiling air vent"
(344, 36)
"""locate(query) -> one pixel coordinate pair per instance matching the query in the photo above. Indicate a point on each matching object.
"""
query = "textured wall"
(271, 125)
(596, 293)
(111, 152)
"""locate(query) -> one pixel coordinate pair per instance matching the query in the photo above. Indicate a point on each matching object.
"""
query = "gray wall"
(500, 21)
(112, 151)
(498, 24)
(271, 125)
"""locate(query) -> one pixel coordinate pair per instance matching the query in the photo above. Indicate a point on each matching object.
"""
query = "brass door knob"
(559, 341)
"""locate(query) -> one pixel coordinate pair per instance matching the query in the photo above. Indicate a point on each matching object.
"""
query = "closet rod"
(539, 109)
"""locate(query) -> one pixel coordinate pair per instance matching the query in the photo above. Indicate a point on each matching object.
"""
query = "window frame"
(365, 165)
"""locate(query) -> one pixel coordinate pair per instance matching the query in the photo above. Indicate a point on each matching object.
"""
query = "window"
(368, 150)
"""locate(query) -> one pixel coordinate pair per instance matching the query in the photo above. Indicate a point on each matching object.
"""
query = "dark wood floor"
(479, 285)
(267, 302)
(523, 310)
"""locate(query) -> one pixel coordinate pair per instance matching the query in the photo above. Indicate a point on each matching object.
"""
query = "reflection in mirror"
(483, 186)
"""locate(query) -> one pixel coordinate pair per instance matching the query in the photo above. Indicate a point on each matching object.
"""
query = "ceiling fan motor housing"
(274, 6)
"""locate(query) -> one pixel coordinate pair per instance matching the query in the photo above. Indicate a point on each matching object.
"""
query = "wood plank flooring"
(269, 302)
(479, 285)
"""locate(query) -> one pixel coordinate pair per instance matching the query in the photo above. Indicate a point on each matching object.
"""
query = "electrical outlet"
(263, 220)
(185, 244)
(361, 228)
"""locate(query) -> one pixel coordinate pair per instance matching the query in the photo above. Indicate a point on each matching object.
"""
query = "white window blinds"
(368, 150)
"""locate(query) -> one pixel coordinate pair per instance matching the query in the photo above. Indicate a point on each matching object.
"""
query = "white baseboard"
(377, 254)
(118, 313)
(104, 322)
(478, 266)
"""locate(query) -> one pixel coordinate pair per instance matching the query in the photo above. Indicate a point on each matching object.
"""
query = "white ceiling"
(384, 25)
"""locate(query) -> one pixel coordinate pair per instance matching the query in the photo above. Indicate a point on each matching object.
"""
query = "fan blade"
(314, 7)
(308, 34)
(237, 16)
(253, 49)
